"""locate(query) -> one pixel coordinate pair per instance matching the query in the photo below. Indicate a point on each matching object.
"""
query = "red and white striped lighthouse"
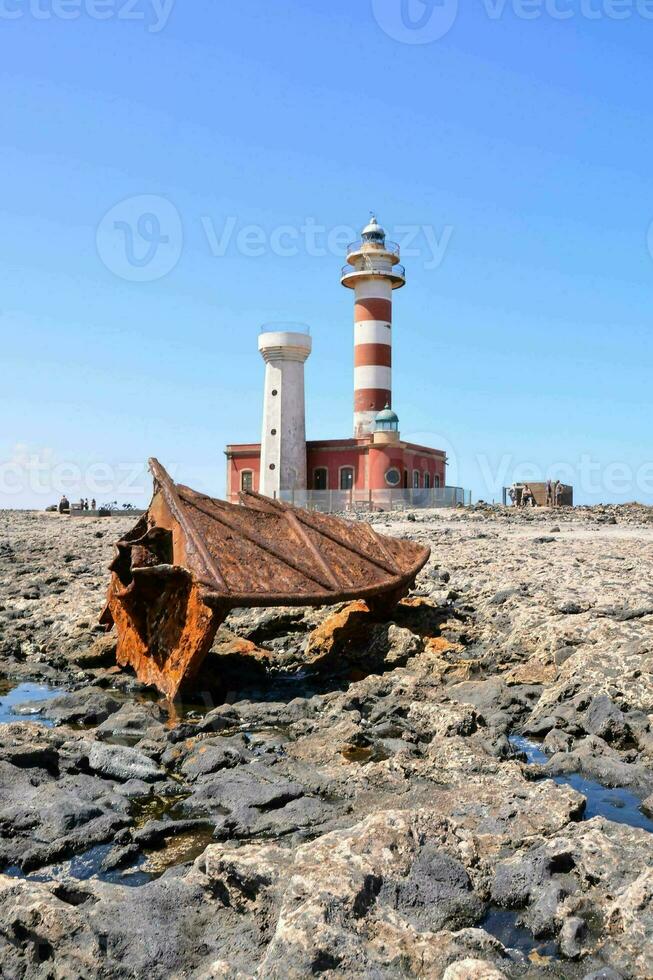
(372, 271)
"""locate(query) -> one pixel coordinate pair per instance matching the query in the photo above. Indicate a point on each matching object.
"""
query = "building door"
(321, 478)
(427, 481)
(347, 478)
(247, 480)
(416, 479)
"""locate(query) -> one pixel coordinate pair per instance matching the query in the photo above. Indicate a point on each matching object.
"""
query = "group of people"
(64, 505)
(524, 496)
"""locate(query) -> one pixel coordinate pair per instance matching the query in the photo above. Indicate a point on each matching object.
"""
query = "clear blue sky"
(522, 144)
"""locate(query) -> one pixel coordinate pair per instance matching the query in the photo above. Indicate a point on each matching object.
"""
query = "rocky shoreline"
(342, 797)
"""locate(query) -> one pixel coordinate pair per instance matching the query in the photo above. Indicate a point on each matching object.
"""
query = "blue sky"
(162, 169)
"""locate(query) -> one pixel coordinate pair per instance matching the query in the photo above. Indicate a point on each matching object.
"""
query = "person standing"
(549, 494)
(559, 491)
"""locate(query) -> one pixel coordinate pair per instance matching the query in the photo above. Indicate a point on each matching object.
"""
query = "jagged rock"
(374, 805)
(605, 720)
(122, 763)
(132, 722)
(210, 756)
(88, 706)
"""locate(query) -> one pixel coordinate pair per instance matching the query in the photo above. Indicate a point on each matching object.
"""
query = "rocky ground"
(348, 799)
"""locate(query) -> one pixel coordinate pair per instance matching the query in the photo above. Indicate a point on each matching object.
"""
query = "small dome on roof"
(373, 232)
(387, 415)
(386, 421)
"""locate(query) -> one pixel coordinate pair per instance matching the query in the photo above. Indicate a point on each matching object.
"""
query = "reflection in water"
(14, 696)
(620, 805)
(503, 925)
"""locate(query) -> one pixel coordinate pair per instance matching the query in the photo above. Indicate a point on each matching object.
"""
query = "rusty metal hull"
(191, 559)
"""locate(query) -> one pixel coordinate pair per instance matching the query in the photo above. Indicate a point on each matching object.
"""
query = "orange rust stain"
(438, 644)
(416, 602)
(165, 640)
(338, 628)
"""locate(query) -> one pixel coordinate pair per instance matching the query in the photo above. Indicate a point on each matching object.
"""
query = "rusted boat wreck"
(191, 558)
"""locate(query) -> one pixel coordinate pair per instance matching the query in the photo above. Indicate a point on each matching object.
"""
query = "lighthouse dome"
(373, 232)
(387, 420)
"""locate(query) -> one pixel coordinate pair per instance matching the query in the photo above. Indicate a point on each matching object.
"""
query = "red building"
(345, 464)
(376, 459)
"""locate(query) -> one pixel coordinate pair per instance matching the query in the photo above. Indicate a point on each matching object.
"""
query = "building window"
(405, 479)
(437, 481)
(346, 477)
(427, 481)
(321, 478)
(416, 479)
(246, 480)
(393, 477)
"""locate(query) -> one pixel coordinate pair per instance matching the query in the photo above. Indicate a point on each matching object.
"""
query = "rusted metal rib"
(387, 566)
(377, 541)
(266, 546)
(301, 533)
(172, 499)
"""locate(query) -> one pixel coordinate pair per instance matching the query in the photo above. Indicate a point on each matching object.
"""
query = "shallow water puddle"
(619, 805)
(503, 925)
(88, 865)
(22, 693)
(149, 865)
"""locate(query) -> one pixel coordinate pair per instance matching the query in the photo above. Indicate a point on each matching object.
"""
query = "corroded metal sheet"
(192, 558)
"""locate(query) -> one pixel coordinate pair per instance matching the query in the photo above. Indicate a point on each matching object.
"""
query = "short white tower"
(283, 439)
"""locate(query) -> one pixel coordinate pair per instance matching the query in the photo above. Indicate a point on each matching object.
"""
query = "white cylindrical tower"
(372, 271)
(283, 438)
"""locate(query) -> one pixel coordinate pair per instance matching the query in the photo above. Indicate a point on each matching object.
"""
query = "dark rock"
(436, 894)
(210, 756)
(499, 598)
(572, 608)
(89, 706)
(120, 857)
(539, 727)
(122, 763)
(131, 722)
(604, 719)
